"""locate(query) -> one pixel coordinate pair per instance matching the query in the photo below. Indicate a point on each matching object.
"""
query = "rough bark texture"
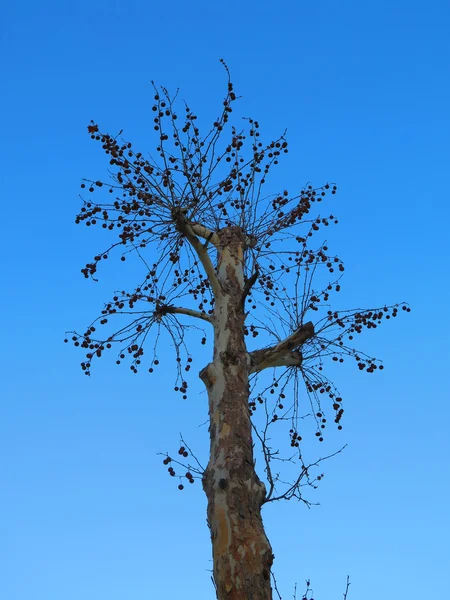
(242, 554)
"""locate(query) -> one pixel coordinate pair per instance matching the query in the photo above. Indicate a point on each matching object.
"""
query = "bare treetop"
(203, 197)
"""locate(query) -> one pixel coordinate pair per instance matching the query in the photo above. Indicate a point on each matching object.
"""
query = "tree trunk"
(242, 554)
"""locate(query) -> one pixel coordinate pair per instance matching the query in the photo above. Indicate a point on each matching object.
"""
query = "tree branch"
(187, 229)
(248, 285)
(204, 232)
(179, 310)
(282, 354)
(294, 488)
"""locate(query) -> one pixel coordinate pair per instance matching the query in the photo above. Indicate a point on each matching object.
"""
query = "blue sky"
(86, 507)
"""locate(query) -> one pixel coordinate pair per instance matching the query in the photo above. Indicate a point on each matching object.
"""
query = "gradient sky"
(87, 510)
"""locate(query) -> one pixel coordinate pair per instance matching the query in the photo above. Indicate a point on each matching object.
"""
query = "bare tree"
(231, 262)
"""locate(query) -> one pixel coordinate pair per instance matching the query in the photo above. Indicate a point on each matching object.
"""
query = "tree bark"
(242, 554)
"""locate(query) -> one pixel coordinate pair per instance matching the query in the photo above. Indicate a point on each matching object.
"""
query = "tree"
(241, 263)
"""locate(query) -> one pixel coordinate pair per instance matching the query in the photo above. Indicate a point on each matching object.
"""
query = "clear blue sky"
(86, 507)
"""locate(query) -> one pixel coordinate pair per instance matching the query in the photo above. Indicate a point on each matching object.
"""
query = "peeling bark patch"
(225, 429)
(223, 532)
